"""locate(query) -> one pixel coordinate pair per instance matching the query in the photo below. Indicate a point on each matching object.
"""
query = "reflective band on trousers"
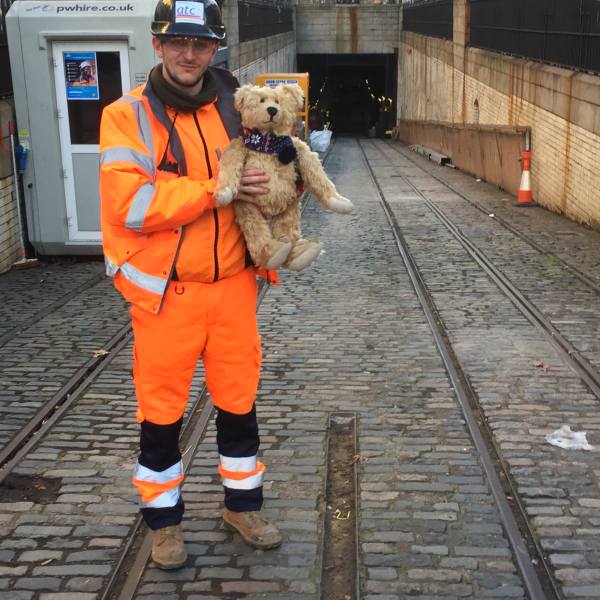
(124, 154)
(243, 463)
(166, 499)
(244, 473)
(159, 488)
(249, 483)
(139, 207)
(150, 283)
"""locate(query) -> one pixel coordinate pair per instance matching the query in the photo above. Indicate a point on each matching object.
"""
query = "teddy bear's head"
(270, 110)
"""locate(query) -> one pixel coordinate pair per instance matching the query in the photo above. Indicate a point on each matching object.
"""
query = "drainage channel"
(535, 573)
(340, 575)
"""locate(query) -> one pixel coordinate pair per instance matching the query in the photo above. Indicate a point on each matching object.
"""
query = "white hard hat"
(85, 63)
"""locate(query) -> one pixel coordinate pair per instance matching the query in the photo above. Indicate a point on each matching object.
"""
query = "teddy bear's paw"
(339, 204)
(304, 253)
(279, 256)
(224, 197)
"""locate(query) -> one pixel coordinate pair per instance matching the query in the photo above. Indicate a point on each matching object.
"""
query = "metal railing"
(258, 20)
(331, 3)
(429, 17)
(562, 32)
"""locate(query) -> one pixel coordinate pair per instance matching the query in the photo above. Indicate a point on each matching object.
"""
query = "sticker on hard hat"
(189, 12)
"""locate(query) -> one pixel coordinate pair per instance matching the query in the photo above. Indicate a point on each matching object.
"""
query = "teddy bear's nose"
(272, 111)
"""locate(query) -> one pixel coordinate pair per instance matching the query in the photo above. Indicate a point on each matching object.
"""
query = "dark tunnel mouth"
(356, 93)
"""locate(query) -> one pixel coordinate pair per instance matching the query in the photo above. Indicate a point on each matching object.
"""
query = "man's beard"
(179, 81)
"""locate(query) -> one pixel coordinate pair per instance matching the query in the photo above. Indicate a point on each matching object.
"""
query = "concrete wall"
(347, 29)
(274, 54)
(448, 81)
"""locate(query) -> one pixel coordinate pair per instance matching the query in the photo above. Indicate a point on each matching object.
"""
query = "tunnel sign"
(275, 82)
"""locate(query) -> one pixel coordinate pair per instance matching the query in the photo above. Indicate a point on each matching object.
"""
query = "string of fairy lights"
(385, 102)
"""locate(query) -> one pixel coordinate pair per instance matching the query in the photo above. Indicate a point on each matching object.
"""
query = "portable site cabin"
(69, 59)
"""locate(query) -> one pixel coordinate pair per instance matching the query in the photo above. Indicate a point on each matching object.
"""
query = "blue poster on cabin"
(81, 76)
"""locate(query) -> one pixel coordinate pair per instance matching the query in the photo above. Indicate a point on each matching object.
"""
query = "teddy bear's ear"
(295, 93)
(241, 95)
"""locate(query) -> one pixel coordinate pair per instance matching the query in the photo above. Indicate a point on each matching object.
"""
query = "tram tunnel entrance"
(354, 93)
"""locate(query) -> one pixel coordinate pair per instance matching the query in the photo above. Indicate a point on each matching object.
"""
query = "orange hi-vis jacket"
(157, 175)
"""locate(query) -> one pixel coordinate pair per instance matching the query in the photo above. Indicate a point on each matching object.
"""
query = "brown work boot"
(168, 549)
(254, 529)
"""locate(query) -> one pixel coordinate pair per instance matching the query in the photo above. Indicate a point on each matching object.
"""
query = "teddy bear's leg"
(286, 226)
(317, 182)
(265, 250)
(304, 253)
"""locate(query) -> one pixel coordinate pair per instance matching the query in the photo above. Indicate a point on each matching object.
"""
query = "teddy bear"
(271, 222)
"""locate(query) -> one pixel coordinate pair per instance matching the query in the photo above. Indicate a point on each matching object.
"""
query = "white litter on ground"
(571, 440)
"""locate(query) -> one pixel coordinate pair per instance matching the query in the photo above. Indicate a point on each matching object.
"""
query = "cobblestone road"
(36, 363)
(348, 335)
(24, 293)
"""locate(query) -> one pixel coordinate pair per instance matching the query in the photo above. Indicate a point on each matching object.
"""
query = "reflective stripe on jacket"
(157, 175)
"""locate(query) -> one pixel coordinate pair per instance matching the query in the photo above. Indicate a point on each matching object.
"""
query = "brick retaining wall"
(10, 243)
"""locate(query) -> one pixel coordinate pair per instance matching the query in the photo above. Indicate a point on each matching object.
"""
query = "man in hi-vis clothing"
(181, 261)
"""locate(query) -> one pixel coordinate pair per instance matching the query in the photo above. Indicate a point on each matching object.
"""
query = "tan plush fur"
(271, 222)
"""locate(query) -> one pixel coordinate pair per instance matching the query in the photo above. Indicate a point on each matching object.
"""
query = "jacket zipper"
(215, 213)
(173, 265)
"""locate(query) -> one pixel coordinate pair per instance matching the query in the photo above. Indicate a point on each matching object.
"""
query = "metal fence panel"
(433, 18)
(563, 32)
(262, 20)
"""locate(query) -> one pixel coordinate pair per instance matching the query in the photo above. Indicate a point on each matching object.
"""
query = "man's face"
(185, 60)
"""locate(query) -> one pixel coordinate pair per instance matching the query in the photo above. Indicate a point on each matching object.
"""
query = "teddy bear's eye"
(262, 99)
(276, 101)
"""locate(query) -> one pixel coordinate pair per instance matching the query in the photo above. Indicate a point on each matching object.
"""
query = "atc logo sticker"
(189, 12)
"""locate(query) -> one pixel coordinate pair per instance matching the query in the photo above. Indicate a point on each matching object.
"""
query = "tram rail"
(569, 353)
(43, 420)
(583, 277)
(534, 569)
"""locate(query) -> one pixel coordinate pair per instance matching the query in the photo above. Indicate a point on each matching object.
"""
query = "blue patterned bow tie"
(270, 143)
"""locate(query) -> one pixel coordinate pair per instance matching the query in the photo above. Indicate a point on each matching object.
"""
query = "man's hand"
(251, 185)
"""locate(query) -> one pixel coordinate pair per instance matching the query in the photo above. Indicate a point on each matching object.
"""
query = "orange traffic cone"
(524, 197)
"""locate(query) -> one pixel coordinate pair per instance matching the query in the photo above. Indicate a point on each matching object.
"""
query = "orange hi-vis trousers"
(217, 322)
